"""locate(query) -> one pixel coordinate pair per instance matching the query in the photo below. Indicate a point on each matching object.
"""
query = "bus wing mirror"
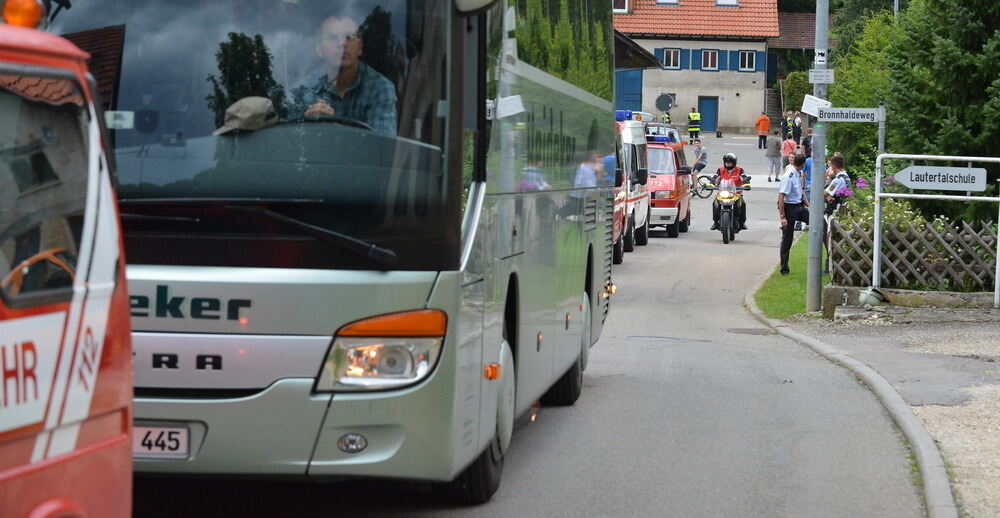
(469, 7)
(642, 175)
(619, 177)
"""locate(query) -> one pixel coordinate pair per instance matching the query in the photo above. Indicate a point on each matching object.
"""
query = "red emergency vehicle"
(65, 351)
(670, 181)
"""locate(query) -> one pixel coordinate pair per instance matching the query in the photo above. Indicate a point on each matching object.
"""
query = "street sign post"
(811, 105)
(821, 76)
(829, 114)
(940, 178)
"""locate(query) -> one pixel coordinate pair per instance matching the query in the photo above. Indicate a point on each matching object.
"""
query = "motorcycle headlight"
(383, 352)
(725, 194)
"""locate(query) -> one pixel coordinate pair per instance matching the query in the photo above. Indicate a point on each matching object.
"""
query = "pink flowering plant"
(860, 204)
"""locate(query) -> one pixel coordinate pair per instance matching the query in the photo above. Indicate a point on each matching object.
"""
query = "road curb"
(938, 498)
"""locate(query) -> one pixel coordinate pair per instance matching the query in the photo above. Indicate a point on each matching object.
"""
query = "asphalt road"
(683, 412)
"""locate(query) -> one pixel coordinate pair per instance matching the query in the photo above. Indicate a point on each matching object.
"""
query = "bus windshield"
(276, 133)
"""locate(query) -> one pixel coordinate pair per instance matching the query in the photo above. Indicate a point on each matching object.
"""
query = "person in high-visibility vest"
(763, 124)
(665, 117)
(694, 123)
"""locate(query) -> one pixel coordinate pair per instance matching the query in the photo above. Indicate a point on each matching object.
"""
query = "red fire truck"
(65, 351)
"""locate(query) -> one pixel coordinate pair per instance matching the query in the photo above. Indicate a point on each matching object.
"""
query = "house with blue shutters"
(713, 56)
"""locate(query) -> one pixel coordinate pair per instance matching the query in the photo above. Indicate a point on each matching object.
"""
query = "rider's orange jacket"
(735, 174)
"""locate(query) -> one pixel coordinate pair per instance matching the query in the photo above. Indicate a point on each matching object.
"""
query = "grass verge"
(782, 296)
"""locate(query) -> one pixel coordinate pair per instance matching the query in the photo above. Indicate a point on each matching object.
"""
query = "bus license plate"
(160, 442)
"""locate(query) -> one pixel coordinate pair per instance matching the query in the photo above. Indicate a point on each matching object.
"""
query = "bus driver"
(346, 87)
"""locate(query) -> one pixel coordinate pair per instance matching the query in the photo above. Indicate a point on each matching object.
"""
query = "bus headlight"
(384, 352)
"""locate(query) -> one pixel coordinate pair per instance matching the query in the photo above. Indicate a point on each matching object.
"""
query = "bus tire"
(567, 389)
(478, 483)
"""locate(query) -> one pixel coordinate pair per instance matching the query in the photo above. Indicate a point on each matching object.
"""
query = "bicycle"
(703, 187)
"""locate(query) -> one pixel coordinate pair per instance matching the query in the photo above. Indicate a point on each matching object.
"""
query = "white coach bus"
(362, 237)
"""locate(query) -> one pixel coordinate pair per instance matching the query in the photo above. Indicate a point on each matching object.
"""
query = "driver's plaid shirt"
(371, 99)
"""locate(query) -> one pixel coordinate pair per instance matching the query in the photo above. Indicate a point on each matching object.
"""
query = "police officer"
(694, 123)
(792, 207)
(665, 118)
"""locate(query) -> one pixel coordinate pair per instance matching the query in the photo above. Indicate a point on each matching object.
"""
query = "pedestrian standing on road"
(763, 125)
(773, 155)
(786, 123)
(792, 207)
(787, 150)
(797, 127)
(807, 143)
(700, 157)
(694, 123)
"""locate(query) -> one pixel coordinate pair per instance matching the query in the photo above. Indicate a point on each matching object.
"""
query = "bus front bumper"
(287, 430)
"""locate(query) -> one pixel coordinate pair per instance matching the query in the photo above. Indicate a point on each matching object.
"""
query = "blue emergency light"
(659, 138)
(623, 115)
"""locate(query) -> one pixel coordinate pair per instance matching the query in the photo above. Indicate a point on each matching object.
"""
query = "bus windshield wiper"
(259, 206)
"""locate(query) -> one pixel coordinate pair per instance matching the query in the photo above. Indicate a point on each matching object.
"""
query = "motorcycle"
(730, 198)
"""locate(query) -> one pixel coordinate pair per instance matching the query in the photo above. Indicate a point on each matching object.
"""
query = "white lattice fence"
(917, 257)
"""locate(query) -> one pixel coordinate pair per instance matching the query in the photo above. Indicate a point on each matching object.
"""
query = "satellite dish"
(664, 102)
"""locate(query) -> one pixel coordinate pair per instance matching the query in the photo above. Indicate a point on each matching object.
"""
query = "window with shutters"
(619, 6)
(709, 60)
(748, 61)
(672, 59)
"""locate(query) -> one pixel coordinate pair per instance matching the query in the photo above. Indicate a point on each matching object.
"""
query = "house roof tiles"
(798, 31)
(700, 19)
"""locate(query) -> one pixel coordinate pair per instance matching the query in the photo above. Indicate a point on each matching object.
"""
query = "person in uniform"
(694, 123)
(792, 207)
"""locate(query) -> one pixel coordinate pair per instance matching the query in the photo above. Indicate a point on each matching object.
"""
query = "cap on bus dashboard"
(24, 13)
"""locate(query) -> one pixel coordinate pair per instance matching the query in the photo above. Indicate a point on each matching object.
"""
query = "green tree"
(944, 87)
(381, 47)
(850, 19)
(862, 81)
(244, 70)
(796, 87)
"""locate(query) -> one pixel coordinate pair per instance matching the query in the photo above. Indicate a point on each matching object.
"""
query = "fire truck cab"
(65, 353)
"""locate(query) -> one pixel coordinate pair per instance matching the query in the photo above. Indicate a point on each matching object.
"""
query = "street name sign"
(811, 104)
(821, 75)
(827, 114)
(943, 178)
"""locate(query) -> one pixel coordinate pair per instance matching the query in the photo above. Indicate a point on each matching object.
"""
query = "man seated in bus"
(346, 87)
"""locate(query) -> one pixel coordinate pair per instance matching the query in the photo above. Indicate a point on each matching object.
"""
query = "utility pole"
(814, 270)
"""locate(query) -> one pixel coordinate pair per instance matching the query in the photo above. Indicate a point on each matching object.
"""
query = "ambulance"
(65, 350)
(634, 196)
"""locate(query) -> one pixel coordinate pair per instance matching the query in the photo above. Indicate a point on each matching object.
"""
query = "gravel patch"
(969, 437)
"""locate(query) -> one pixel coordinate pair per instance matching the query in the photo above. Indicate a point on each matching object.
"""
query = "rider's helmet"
(729, 160)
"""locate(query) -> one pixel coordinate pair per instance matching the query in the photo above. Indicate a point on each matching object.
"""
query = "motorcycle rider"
(730, 171)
